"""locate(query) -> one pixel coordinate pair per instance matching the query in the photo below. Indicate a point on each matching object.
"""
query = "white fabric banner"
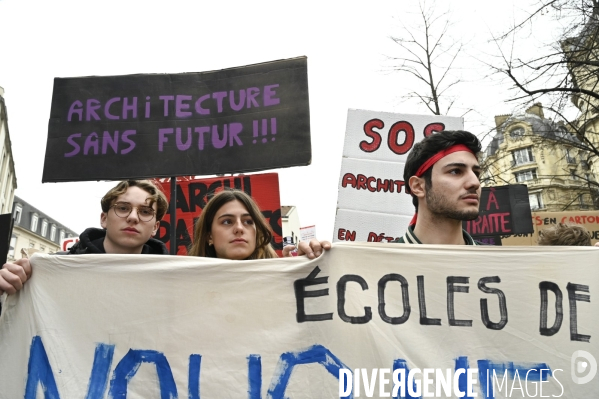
(133, 326)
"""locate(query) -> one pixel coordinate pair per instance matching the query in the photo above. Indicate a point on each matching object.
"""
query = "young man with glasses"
(131, 214)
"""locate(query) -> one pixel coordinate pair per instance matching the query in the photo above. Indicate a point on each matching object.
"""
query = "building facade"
(8, 178)
(582, 53)
(290, 223)
(35, 229)
(530, 149)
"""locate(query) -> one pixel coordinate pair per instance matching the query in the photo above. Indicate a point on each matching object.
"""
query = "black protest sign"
(503, 210)
(6, 223)
(136, 126)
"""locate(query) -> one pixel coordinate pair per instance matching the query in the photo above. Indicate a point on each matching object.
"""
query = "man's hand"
(312, 249)
(14, 275)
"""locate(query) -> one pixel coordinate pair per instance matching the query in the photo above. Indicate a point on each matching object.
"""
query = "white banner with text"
(393, 320)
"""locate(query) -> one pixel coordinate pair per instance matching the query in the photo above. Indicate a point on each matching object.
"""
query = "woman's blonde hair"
(203, 227)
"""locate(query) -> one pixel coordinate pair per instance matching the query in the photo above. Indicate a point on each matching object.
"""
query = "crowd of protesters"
(441, 174)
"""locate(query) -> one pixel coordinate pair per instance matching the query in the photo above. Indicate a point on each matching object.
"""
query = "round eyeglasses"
(124, 209)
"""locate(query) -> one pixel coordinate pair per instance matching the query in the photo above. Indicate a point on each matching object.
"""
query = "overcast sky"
(347, 45)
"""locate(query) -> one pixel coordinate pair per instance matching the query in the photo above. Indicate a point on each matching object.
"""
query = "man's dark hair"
(431, 145)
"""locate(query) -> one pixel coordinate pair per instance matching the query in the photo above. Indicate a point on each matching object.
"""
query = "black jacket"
(91, 241)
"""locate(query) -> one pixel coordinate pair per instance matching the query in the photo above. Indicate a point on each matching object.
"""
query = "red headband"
(433, 160)
(441, 154)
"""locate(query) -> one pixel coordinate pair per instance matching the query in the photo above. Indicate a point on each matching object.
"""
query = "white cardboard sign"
(385, 136)
(374, 154)
(307, 233)
(373, 186)
(351, 225)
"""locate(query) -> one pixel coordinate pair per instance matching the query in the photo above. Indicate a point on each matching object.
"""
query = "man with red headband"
(442, 175)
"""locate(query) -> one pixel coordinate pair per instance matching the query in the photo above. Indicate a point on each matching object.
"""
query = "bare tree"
(564, 74)
(428, 54)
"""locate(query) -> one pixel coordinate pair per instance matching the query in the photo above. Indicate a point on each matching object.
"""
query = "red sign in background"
(193, 194)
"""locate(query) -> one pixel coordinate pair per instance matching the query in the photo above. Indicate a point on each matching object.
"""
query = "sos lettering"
(401, 129)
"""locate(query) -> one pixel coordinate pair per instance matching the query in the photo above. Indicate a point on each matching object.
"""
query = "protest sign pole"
(172, 210)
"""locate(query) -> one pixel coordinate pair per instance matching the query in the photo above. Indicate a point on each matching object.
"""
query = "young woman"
(232, 227)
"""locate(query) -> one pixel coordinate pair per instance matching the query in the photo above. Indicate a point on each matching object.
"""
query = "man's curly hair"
(565, 235)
